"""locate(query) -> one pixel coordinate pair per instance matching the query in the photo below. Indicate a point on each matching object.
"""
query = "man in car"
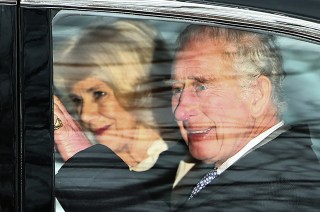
(227, 101)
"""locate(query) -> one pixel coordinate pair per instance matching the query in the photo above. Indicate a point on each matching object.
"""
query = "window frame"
(195, 12)
(9, 108)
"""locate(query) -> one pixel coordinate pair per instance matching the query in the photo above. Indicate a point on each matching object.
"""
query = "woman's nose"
(88, 113)
(186, 106)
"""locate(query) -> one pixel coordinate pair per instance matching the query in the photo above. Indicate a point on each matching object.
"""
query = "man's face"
(208, 102)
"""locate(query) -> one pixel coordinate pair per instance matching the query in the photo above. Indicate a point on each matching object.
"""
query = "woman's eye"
(98, 94)
(76, 100)
(201, 88)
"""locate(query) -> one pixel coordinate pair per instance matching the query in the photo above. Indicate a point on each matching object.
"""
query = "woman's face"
(101, 113)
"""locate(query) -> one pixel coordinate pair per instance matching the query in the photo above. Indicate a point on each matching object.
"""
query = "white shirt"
(185, 167)
(153, 152)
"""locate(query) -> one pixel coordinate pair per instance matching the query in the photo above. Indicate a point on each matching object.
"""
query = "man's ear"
(261, 97)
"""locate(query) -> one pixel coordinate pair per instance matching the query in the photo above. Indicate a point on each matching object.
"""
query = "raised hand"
(69, 137)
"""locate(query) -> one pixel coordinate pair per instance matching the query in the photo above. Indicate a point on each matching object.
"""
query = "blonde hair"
(120, 54)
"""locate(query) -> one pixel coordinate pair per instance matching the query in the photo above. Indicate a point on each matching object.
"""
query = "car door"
(46, 27)
(8, 106)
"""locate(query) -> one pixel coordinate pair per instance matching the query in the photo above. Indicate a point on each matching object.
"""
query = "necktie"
(182, 191)
(203, 182)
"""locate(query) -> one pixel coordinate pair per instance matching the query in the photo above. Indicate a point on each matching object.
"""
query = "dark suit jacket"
(96, 179)
(282, 175)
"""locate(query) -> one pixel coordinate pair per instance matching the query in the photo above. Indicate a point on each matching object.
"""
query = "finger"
(56, 99)
(59, 107)
(55, 117)
(57, 111)
(66, 118)
(58, 103)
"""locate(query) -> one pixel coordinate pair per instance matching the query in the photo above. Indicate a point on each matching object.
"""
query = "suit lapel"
(240, 172)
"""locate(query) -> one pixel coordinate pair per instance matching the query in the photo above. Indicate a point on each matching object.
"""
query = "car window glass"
(118, 79)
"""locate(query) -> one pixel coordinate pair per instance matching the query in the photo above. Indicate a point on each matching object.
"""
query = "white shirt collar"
(153, 152)
(247, 148)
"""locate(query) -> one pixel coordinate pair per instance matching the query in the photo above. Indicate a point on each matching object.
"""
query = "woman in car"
(109, 74)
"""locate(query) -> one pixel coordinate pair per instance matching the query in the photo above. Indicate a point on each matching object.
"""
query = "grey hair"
(253, 55)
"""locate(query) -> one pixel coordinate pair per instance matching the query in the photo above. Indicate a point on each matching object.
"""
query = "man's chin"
(201, 154)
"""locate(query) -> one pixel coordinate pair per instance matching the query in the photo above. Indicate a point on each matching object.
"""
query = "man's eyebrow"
(199, 79)
(173, 81)
(202, 79)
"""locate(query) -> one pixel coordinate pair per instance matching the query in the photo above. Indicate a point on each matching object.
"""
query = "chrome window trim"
(203, 13)
(14, 2)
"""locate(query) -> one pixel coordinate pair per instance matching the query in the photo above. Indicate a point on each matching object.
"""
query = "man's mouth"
(198, 135)
(203, 131)
(100, 131)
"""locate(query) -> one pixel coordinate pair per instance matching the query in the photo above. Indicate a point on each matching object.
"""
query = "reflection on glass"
(236, 97)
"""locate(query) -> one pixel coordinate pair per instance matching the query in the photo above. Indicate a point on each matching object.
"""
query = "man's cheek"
(185, 137)
(183, 132)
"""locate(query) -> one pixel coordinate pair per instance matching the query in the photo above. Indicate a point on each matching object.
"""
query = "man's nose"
(186, 106)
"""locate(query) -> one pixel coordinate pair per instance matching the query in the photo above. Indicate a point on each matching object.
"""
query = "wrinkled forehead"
(206, 66)
(208, 44)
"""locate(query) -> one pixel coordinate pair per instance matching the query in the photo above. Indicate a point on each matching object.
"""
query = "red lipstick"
(101, 130)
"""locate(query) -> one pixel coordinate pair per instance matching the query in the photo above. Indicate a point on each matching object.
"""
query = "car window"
(121, 86)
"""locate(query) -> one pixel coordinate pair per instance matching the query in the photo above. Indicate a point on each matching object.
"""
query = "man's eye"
(201, 88)
(177, 90)
(98, 94)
